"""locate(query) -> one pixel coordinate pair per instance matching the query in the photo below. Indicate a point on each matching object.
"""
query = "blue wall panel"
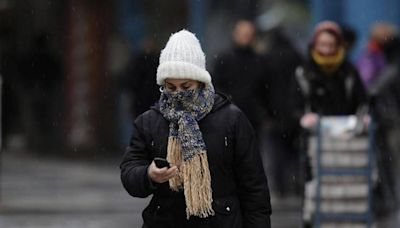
(358, 14)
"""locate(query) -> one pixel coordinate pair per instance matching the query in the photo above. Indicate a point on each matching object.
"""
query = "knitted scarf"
(329, 64)
(186, 147)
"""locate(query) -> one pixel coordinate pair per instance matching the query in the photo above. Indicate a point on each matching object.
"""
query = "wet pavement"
(43, 193)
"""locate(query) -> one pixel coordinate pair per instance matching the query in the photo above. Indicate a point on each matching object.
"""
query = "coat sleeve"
(135, 163)
(251, 180)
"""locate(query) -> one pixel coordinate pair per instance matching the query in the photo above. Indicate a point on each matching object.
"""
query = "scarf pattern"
(186, 147)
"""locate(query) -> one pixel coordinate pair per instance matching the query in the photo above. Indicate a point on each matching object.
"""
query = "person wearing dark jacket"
(240, 73)
(214, 175)
(328, 84)
(385, 104)
(281, 129)
(42, 80)
(139, 82)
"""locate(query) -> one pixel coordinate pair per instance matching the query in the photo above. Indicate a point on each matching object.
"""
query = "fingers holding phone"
(161, 171)
(161, 162)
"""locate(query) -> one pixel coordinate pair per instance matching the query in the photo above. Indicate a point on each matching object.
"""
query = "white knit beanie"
(183, 58)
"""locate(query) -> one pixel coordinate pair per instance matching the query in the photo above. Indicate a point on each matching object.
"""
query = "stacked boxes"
(339, 193)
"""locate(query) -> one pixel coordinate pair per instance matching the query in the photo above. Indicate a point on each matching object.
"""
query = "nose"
(328, 50)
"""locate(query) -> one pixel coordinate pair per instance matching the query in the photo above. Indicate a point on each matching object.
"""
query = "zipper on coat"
(227, 153)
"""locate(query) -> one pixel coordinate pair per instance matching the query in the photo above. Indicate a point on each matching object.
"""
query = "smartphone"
(161, 163)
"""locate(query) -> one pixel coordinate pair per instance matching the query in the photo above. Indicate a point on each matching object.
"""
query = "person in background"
(385, 105)
(212, 175)
(327, 84)
(240, 73)
(12, 94)
(373, 59)
(350, 37)
(136, 86)
(280, 128)
(42, 77)
(139, 80)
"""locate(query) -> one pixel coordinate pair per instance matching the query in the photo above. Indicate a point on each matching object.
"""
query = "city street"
(44, 193)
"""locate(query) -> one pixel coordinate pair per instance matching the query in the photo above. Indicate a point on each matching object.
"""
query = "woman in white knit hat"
(213, 175)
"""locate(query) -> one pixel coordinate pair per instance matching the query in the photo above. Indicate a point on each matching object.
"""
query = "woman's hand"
(309, 120)
(161, 175)
(366, 120)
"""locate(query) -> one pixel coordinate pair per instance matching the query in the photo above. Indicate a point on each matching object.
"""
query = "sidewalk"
(46, 193)
(54, 193)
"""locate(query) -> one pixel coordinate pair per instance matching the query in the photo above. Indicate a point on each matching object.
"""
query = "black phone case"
(161, 163)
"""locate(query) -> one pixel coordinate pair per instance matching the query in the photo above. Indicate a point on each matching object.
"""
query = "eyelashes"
(173, 88)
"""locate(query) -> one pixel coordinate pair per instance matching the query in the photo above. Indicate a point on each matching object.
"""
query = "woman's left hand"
(161, 175)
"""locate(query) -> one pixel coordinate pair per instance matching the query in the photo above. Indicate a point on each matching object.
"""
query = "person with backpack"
(328, 84)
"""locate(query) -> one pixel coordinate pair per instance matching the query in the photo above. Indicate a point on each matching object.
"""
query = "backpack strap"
(304, 86)
(349, 84)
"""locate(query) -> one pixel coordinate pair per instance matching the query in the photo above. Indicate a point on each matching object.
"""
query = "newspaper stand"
(340, 194)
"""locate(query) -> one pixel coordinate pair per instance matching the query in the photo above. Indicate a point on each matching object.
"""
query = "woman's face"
(326, 44)
(178, 85)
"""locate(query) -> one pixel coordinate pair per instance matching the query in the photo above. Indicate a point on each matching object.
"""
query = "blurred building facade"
(82, 35)
(357, 14)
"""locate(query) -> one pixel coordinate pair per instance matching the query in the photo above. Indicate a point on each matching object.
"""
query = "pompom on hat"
(183, 58)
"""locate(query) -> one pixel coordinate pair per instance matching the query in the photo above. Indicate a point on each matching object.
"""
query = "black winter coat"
(240, 190)
(339, 94)
(240, 73)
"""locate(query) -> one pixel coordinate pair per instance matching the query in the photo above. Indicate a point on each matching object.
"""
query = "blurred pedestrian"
(328, 84)
(373, 59)
(42, 81)
(140, 78)
(136, 85)
(350, 37)
(385, 95)
(240, 73)
(280, 128)
(12, 132)
(325, 85)
(213, 175)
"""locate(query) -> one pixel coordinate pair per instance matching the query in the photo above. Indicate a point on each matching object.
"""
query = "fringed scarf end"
(197, 186)
(174, 156)
(194, 178)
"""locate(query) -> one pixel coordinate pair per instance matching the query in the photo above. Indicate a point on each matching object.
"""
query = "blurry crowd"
(284, 91)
